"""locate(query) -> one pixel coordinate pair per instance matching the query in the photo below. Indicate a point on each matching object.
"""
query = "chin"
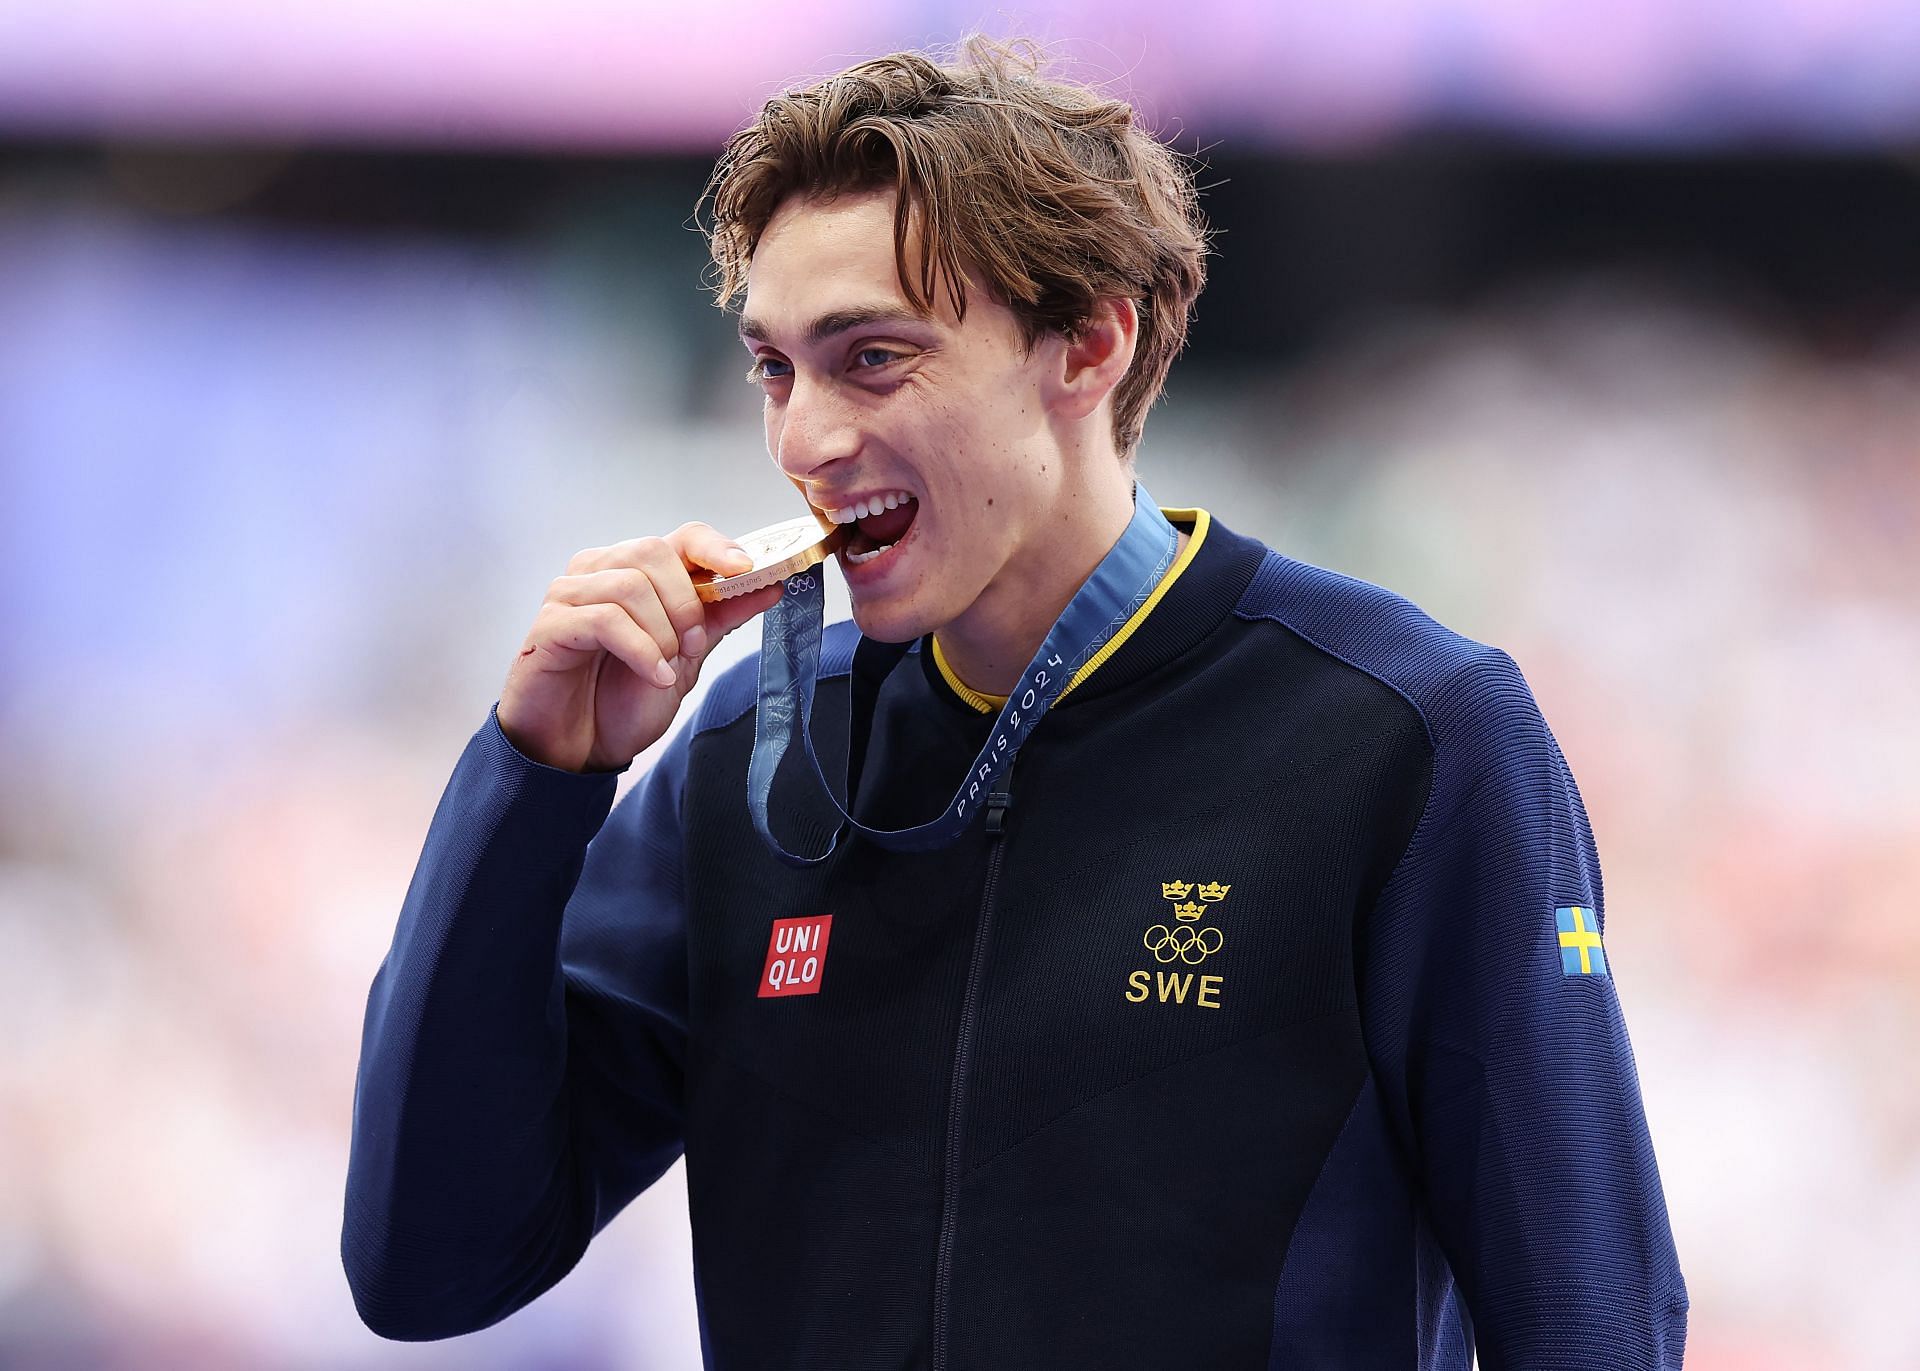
(886, 623)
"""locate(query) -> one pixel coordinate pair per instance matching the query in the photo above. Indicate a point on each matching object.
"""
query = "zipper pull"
(1000, 800)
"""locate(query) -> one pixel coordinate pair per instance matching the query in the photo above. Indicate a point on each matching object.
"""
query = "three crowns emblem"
(1184, 909)
(1181, 942)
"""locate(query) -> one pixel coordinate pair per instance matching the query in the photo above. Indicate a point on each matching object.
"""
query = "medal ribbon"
(790, 667)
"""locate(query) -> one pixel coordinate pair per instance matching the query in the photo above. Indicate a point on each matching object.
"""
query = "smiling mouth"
(868, 537)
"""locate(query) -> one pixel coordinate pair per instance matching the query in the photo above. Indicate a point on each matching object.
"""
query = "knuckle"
(668, 579)
(616, 621)
(583, 559)
(684, 607)
(607, 616)
(637, 592)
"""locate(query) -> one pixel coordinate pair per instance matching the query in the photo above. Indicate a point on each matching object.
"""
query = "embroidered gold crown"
(1176, 890)
(1188, 911)
(1213, 891)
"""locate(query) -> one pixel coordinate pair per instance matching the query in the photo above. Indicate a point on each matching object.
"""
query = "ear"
(1096, 358)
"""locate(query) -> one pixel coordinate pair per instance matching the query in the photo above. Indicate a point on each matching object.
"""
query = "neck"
(990, 645)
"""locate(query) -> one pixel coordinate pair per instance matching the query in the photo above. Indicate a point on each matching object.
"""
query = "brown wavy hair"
(1053, 192)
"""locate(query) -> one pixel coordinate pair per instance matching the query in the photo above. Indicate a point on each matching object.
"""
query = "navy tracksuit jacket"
(1263, 1021)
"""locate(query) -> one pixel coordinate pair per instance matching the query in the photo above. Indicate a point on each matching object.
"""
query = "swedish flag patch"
(1580, 950)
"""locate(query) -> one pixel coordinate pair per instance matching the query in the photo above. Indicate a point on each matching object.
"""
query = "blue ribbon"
(790, 666)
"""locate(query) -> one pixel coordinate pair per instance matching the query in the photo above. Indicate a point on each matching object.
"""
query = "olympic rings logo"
(797, 585)
(1189, 945)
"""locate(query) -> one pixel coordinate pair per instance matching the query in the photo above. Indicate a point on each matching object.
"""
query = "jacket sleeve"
(1508, 1064)
(521, 1062)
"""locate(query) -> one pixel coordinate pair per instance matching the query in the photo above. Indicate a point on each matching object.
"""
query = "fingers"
(568, 629)
(703, 545)
(634, 590)
(649, 577)
(696, 543)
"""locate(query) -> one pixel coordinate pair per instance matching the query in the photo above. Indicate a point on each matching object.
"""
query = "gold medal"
(778, 551)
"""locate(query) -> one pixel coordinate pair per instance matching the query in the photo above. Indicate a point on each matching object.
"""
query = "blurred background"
(328, 331)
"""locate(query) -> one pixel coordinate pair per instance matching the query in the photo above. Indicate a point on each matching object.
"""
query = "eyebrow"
(836, 322)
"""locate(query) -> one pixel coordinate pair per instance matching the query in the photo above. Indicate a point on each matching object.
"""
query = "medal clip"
(1000, 799)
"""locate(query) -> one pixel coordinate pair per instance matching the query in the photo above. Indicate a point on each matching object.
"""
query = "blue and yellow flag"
(1580, 950)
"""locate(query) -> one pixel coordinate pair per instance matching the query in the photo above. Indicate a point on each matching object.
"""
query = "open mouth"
(870, 535)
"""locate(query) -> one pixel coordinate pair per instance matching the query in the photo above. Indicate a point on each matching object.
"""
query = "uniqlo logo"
(796, 956)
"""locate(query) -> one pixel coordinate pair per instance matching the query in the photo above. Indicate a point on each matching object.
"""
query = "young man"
(1259, 1017)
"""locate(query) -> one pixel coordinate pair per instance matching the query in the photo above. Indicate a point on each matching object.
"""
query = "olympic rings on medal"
(1189, 945)
(798, 584)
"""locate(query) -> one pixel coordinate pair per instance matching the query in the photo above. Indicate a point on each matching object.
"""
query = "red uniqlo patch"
(796, 956)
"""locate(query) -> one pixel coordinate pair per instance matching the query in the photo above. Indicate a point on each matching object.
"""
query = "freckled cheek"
(951, 425)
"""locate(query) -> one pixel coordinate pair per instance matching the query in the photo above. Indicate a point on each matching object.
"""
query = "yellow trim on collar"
(986, 704)
(992, 704)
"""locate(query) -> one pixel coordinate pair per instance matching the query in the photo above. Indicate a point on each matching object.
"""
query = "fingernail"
(665, 674)
(741, 558)
(694, 641)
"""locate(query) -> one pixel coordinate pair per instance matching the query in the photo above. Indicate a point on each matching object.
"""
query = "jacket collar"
(1198, 591)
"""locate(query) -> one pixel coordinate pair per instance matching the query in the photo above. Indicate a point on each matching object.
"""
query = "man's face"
(866, 398)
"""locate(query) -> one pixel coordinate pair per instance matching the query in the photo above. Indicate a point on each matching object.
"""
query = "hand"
(617, 645)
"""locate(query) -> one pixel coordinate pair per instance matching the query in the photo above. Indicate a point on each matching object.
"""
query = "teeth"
(891, 499)
(857, 557)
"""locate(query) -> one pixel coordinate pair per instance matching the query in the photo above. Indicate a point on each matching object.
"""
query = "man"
(1258, 1017)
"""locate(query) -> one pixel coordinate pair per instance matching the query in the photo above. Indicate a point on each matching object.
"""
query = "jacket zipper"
(999, 800)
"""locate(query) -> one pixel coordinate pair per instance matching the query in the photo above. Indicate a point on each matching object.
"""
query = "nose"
(811, 430)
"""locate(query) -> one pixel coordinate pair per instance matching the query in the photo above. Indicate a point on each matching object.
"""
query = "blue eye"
(768, 369)
(884, 354)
